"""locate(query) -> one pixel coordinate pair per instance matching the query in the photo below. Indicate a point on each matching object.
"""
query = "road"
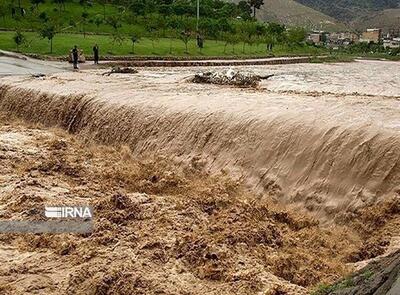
(14, 64)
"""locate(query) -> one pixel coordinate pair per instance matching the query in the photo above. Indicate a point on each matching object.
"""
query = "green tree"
(230, 38)
(159, 22)
(98, 20)
(48, 31)
(186, 28)
(255, 4)
(43, 17)
(244, 9)
(3, 12)
(151, 29)
(207, 27)
(103, 3)
(61, 4)
(117, 38)
(84, 4)
(138, 7)
(277, 31)
(296, 36)
(37, 2)
(269, 41)
(84, 18)
(185, 36)
(247, 31)
(19, 39)
(173, 34)
(115, 22)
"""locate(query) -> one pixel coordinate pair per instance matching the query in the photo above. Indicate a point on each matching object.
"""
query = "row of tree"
(245, 9)
(246, 32)
(153, 22)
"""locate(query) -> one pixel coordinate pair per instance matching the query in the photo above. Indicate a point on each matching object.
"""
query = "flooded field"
(277, 188)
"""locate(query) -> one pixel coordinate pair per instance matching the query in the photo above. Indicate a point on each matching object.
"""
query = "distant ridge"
(386, 19)
(360, 14)
(332, 15)
(292, 13)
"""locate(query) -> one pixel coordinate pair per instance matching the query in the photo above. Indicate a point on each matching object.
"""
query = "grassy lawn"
(72, 34)
(73, 12)
(62, 43)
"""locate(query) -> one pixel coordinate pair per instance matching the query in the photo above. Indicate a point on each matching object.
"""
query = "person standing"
(96, 54)
(75, 57)
(200, 41)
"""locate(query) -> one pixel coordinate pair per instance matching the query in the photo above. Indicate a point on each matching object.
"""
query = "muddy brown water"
(324, 136)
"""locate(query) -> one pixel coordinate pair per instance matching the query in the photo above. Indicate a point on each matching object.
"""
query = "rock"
(380, 277)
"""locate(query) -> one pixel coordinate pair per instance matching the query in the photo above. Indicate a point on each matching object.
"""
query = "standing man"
(75, 57)
(96, 54)
(200, 41)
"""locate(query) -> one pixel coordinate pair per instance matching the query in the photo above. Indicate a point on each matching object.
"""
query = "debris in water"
(229, 77)
(38, 76)
(118, 70)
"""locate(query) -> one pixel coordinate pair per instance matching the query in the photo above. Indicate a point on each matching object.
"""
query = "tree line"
(154, 19)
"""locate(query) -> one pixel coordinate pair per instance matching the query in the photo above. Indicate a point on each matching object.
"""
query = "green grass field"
(73, 12)
(62, 43)
(71, 33)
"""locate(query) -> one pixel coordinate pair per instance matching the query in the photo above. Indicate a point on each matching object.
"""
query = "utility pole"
(198, 16)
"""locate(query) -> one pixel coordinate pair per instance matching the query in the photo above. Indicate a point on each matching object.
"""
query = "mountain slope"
(348, 10)
(386, 19)
(293, 13)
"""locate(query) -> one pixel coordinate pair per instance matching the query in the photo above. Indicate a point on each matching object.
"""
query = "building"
(343, 38)
(318, 37)
(391, 43)
(393, 33)
(371, 36)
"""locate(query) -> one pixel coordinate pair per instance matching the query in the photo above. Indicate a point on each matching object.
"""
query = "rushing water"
(324, 135)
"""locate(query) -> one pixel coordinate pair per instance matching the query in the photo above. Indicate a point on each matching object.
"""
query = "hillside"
(291, 13)
(348, 10)
(386, 19)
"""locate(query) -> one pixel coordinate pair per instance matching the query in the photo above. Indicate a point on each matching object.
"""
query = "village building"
(391, 43)
(318, 37)
(371, 36)
(343, 38)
